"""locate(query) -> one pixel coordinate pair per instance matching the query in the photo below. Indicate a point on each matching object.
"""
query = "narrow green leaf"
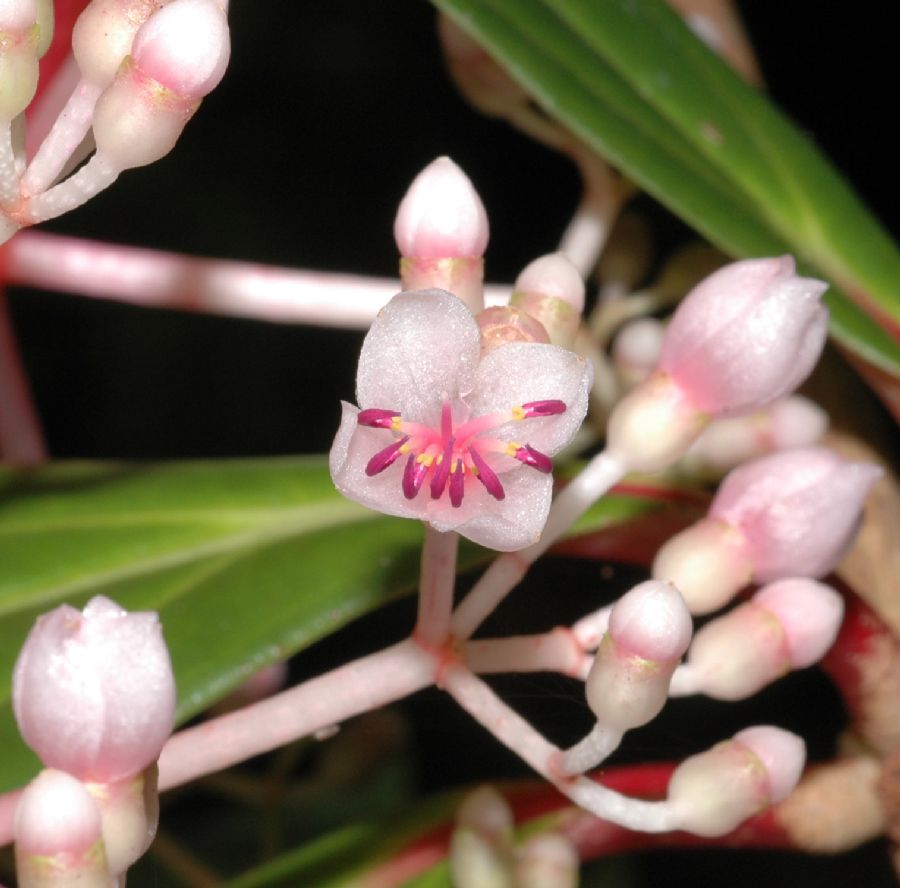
(631, 80)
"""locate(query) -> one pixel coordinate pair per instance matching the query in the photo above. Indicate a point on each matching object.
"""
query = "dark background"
(328, 110)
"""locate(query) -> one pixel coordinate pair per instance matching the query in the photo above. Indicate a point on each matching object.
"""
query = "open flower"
(446, 436)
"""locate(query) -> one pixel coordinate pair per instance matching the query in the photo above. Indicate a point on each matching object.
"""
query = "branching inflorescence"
(460, 410)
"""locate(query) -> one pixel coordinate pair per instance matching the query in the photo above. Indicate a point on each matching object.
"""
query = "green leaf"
(247, 562)
(631, 80)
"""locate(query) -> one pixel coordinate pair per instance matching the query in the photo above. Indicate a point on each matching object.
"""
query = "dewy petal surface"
(422, 346)
(494, 423)
(521, 372)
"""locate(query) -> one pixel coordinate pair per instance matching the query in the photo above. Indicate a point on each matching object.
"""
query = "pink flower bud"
(184, 46)
(103, 35)
(547, 860)
(93, 692)
(715, 791)
(551, 290)
(649, 630)
(19, 38)
(789, 514)
(636, 349)
(798, 511)
(57, 834)
(749, 333)
(726, 443)
(787, 625)
(17, 15)
(441, 215)
(503, 324)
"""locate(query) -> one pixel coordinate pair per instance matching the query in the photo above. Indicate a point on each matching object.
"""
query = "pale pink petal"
(423, 346)
(519, 373)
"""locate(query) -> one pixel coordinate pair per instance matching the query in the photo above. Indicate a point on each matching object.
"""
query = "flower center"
(448, 455)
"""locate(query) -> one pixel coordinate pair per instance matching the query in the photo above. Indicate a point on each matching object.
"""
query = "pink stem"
(518, 735)
(438, 578)
(555, 651)
(21, 438)
(48, 104)
(159, 279)
(322, 702)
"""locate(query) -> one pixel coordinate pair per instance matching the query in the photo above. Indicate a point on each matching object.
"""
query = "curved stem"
(95, 176)
(600, 474)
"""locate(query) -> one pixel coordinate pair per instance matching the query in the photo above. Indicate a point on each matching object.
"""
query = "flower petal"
(521, 372)
(422, 347)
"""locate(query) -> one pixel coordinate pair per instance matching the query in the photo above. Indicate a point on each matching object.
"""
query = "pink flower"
(446, 436)
(93, 691)
(749, 333)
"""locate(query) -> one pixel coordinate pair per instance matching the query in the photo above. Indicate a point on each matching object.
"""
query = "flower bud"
(103, 35)
(547, 860)
(789, 514)
(786, 625)
(19, 39)
(93, 692)
(185, 47)
(715, 791)
(57, 835)
(441, 230)
(481, 844)
(636, 349)
(726, 443)
(178, 56)
(551, 290)
(505, 323)
(649, 630)
(749, 333)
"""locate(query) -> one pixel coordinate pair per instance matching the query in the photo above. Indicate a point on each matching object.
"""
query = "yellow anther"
(404, 449)
(425, 459)
(396, 422)
(512, 448)
(518, 413)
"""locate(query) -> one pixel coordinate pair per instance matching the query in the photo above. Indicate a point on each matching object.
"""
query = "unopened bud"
(787, 625)
(103, 35)
(441, 230)
(707, 562)
(551, 290)
(636, 349)
(482, 841)
(714, 792)
(19, 39)
(58, 837)
(748, 334)
(505, 323)
(789, 514)
(649, 630)
(726, 443)
(548, 860)
(93, 691)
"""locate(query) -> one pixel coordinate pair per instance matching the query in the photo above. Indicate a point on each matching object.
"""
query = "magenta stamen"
(413, 476)
(535, 459)
(442, 471)
(384, 458)
(543, 408)
(457, 485)
(376, 418)
(487, 476)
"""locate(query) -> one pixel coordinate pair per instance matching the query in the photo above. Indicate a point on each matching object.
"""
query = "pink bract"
(749, 333)
(497, 420)
(93, 691)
